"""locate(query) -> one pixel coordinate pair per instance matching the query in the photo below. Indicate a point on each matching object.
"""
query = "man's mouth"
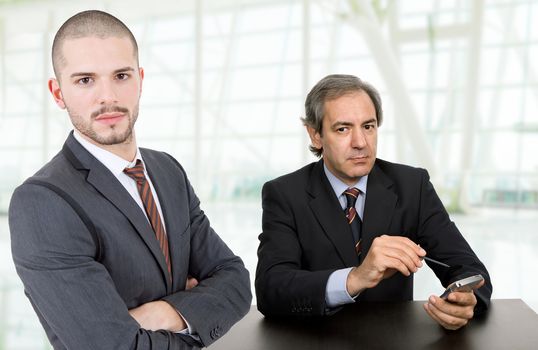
(110, 118)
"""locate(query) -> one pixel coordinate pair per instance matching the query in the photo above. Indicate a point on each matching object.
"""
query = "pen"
(436, 262)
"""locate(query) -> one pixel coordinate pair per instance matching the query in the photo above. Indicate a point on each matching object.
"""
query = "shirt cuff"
(188, 330)
(336, 292)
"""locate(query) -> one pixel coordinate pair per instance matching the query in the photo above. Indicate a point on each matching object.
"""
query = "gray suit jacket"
(86, 254)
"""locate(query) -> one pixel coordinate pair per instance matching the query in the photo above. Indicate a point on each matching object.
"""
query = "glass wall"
(224, 89)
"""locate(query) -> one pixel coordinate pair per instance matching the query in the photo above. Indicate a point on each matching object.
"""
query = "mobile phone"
(463, 285)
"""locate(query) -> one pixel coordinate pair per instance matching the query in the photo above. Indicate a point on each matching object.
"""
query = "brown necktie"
(353, 218)
(137, 174)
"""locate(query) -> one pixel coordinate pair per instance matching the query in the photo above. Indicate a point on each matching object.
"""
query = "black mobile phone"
(463, 285)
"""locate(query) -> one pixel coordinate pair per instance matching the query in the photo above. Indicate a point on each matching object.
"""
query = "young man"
(352, 227)
(109, 239)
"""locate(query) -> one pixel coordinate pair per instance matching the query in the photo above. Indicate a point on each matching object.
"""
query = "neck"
(125, 150)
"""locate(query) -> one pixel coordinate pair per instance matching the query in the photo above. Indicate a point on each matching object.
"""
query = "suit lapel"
(378, 209)
(107, 184)
(328, 212)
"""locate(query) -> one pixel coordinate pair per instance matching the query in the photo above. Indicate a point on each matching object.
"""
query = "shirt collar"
(114, 163)
(339, 187)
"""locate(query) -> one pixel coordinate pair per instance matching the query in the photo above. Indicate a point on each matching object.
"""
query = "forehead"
(93, 54)
(354, 106)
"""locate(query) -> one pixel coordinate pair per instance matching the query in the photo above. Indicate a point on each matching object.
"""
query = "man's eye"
(84, 81)
(122, 76)
(342, 129)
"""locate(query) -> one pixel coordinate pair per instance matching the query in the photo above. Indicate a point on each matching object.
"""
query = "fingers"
(191, 283)
(396, 252)
(404, 246)
(452, 314)
(462, 298)
(386, 255)
(446, 321)
(402, 262)
(397, 263)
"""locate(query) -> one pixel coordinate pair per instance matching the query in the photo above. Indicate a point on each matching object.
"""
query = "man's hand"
(191, 283)
(387, 255)
(454, 312)
(158, 315)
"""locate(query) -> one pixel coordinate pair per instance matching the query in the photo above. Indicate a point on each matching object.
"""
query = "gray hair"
(92, 23)
(332, 87)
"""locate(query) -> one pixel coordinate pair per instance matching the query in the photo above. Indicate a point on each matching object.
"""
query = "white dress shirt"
(116, 165)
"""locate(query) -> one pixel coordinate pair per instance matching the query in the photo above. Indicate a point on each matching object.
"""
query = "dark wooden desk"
(509, 324)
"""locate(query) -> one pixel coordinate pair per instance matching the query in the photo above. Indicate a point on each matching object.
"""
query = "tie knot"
(136, 172)
(351, 196)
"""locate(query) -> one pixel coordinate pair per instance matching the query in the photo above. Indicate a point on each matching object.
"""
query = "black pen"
(435, 261)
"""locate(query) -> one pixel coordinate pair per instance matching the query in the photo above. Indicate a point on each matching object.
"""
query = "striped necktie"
(137, 174)
(353, 218)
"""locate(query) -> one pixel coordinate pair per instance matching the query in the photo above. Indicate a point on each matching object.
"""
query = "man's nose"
(358, 139)
(107, 93)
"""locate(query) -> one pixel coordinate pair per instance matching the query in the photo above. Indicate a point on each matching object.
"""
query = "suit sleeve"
(223, 295)
(70, 291)
(442, 240)
(283, 287)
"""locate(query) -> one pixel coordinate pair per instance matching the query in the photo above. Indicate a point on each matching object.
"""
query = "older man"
(354, 228)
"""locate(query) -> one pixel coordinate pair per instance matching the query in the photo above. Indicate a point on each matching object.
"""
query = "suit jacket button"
(213, 334)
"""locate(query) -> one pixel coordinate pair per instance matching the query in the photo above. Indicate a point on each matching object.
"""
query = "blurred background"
(224, 90)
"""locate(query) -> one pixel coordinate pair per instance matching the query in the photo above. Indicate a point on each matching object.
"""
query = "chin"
(361, 172)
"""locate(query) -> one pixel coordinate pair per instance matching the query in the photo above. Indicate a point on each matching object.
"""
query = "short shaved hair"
(92, 23)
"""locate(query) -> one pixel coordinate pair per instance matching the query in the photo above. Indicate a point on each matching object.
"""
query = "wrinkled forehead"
(352, 100)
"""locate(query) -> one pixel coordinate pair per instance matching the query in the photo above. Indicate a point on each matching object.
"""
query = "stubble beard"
(116, 137)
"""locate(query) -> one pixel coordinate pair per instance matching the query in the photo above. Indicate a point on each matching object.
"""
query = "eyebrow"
(79, 74)
(88, 74)
(338, 123)
(124, 69)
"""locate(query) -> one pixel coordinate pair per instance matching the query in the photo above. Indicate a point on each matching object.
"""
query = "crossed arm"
(78, 302)
(157, 315)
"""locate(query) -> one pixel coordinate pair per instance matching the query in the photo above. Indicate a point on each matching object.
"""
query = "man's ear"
(141, 74)
(54, 88)
(315, 137)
